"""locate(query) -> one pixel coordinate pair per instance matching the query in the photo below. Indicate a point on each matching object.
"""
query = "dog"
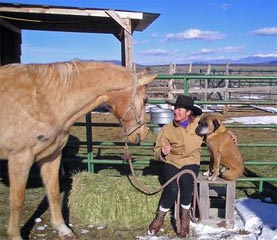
(222, 149)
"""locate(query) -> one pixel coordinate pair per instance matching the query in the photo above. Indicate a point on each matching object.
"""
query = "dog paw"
(212, 178)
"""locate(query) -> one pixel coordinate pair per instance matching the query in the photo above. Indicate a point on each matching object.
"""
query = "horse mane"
(60, 75)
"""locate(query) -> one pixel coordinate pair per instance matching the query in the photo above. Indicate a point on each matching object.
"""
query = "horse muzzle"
(138, 134)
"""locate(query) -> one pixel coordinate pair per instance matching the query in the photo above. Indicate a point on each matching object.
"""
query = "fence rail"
(205, 86)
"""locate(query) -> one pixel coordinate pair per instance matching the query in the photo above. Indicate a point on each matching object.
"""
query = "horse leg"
(50, 177)
(19, 166)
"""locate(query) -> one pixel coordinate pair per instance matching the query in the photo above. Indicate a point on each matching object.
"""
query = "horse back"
(25, 120)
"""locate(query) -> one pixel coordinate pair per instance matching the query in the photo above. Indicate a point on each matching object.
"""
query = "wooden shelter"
(17, 17)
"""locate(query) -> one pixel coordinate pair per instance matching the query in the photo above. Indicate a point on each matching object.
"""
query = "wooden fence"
(214, 87)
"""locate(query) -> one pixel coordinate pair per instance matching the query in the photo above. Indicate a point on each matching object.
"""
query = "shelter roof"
(72, 19)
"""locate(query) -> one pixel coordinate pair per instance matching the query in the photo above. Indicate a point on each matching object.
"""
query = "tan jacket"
(186, 145)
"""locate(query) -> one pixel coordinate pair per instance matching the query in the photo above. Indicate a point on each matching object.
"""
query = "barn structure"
(17, 17)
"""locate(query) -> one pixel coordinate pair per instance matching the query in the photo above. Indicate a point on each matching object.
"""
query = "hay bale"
(113, 201)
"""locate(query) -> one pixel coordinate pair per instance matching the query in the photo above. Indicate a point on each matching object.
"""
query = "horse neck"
(84, 93)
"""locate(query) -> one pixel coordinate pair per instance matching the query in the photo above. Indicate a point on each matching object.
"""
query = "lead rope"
(138, 185)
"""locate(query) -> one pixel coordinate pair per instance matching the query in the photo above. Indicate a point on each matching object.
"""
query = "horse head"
(129, 108)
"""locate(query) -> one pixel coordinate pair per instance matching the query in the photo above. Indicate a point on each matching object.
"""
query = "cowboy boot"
(157, 222)
(185, 221)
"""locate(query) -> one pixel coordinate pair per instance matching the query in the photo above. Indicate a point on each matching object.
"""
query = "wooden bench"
(217, 201)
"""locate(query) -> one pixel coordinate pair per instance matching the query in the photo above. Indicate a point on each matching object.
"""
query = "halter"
(132, 107)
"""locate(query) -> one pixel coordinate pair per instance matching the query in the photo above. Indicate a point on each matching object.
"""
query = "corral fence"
(100, 152)
(215, 85)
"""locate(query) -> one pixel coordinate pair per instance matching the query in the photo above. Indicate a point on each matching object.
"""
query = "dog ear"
(216, 124)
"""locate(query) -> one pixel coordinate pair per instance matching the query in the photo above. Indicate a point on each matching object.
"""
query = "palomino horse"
(39, 104)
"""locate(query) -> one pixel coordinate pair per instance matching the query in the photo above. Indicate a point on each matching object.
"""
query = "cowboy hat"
(186, 102)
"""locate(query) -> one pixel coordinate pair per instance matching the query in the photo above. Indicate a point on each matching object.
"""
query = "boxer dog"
(222, 148)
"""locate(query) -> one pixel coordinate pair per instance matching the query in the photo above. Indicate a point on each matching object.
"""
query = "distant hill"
(256, 59)
(111, 61)
(272, 62)
(247, 60)
(118, 62)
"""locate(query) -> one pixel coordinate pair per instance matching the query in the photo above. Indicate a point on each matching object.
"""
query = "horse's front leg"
(19, 167)
(50, 177)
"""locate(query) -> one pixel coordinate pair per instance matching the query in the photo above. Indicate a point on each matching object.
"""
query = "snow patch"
(254, 120)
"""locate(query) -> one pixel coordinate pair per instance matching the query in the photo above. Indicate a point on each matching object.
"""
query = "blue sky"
(186, 31)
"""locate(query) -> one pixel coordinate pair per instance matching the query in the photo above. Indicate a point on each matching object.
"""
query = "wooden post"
(207, 84)
(226, 95)
(172, 70)
(204, 199)
(190, 68)
(125, 38)
(127, 50)
(209, 69)
(226, 89)
(230, 201)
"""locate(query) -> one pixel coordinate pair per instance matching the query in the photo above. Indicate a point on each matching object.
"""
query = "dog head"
(208, 124)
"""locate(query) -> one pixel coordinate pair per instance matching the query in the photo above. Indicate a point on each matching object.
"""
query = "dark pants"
(169, 194)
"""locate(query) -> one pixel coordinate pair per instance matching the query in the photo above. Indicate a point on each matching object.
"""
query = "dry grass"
(98, 199)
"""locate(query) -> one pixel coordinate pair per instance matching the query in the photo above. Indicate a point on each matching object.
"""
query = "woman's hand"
(234, 138)
(166, 150)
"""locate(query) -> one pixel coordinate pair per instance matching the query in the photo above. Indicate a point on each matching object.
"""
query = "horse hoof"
(151, 233)
(69, 237)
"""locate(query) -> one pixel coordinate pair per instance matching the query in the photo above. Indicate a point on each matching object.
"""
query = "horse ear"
(142, 73)
(145, 79)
